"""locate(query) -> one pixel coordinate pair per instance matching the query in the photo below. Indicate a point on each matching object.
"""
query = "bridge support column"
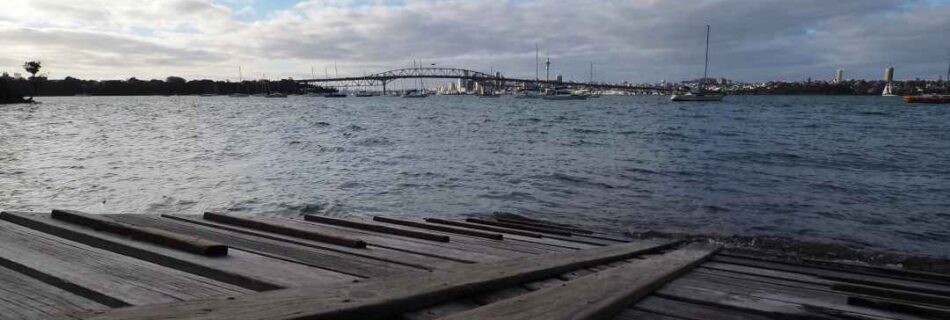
(384, 87)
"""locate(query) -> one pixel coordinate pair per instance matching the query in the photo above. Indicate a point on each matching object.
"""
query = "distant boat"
(240, 94)
(888, 92)
(363, 94)
(334, 95)
(415, 94)
(275, 95)
(929, 99)
(932, 98)
(563, 93)
(700, 95)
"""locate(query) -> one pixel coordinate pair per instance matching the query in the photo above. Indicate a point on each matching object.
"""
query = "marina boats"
(241, 93)
(563, 93)
(334, 95)
(700, 94)
(415, 94)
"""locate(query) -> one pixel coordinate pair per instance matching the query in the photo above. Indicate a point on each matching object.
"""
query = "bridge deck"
(279, 268)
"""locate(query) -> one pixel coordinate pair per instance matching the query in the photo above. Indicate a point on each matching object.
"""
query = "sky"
(626, 40)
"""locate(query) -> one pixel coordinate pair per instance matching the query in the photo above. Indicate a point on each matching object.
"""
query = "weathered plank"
(102, 276)
(377, 228)
(631, 314)
(336, 239)
(326, 259)
(510, 242)
(520, 227)
(686, 310)
(598, 296)
(914, 297)
(483, 227)
(901, 274)
(371, 251)
(239, 268)
(386, 297)
(917, 310)
(402, 247)
(440, 311)
(544, 225)
(495, 236)
(164, 238)
(23, 298)
(838, 275)
(765, 297)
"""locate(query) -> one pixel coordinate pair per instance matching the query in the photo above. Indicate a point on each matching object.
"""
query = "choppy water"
(865, 171)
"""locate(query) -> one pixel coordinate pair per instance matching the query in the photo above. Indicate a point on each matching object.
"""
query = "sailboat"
(888, 91)
(240, 86)
(700, 94)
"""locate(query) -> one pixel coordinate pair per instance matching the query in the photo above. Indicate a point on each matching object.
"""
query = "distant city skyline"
(637, 41)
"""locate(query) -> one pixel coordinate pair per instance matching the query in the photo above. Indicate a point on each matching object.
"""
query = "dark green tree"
(33, 67)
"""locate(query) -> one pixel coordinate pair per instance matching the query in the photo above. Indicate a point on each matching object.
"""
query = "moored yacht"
(700, 94)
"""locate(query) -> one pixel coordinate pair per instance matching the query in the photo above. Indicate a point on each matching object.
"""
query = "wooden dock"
(74, 265)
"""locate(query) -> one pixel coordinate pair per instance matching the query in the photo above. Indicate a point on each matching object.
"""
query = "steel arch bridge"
(383, 78)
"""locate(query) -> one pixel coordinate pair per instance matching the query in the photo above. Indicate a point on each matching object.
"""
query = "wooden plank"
(387, 297)
(835, 275)
(483, 227)
(520, 227)
(766, 297)
(22, 297)
(901, 274)
(487, 235)
(631, 314)
(922, 311)
(544, 225)
(768, 273)
(159, 237)
(377, 228)
(440, 311)
(239, 268)
(372, 251)
(325, 259)
(515, 242)
(402, 248)
(336, 239)
(693, 311)
(893, 294)
(102, 276)
(602, 295)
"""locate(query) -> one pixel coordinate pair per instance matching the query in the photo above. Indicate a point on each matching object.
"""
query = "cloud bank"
(634, 40)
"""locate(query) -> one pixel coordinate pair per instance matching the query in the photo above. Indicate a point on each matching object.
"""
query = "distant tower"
(839, 76)
(547, 68)
(889, 74)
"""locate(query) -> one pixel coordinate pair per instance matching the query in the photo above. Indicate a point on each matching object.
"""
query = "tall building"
(889, 74)
(839, 76)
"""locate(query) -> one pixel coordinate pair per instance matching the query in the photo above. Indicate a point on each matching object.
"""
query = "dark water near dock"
(868, 172)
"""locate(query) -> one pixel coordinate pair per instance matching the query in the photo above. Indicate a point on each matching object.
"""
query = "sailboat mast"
(537, 66)
(706, 66)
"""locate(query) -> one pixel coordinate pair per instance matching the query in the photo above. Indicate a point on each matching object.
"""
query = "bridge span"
(483, 79)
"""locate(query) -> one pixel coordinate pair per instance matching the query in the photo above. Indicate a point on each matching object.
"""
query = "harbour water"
(867, 172)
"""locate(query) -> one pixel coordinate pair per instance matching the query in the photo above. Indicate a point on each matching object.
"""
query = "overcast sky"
(635, 40)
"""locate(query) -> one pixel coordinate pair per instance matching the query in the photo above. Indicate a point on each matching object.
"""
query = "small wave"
(590, 131)
(321, 124)
(374, 142)
(354, 127)
(873, 113)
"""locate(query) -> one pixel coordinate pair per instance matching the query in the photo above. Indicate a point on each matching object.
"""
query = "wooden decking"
(73, 265)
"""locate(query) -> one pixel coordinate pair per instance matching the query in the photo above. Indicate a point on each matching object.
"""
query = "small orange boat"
(927, 99)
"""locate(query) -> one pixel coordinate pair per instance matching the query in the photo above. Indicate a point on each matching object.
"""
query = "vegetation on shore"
(170, 86)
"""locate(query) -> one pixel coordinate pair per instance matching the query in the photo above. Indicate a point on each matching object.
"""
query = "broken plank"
(102, 276)
(483, 227)
(687, 310)
(325, 259)
(22, 297)
(386, 297)
(336, 239)
(377, 228)
(239, 268)
(520, 227)
(159, 237)
(598, 296)
(407, 247)
(494, 236)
